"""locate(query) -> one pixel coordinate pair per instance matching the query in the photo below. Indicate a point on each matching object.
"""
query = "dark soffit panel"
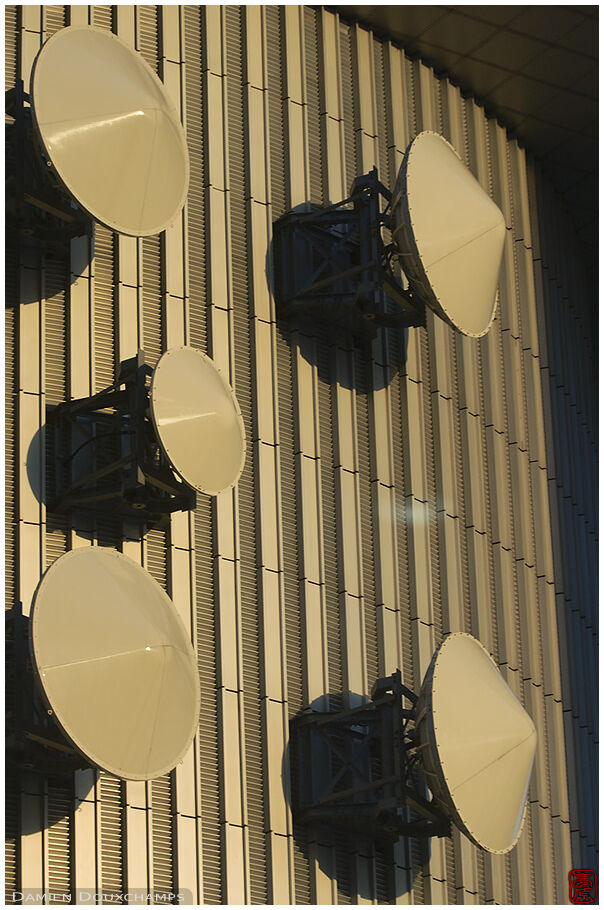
(535, 68)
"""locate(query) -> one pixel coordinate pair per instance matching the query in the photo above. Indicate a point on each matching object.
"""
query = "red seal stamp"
(583, 886)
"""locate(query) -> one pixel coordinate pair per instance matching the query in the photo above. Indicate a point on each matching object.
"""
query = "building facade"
(433, 483)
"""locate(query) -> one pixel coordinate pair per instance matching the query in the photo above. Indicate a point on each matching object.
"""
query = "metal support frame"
(360, 768)
(115, 464)
(333, 264)
(38, 208)
(33, 740)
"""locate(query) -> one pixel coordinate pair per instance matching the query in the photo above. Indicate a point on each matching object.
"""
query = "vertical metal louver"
(162, 789)
(156, 555)
(432, 504)
(54, 19)
(250, 606)
(330, 550)
(154, 333)
(207, 647)
(59, 805)
(288, 484)
(153, 316)
(162, 825)
(362, 377)
(196, 201)
(289, 525)
(348, 105)
(12, 838)
(12, 797)
(344, 874)
(208, 715)
(103, 17)
(10, 442)
(105, 308)
(275, 63)
(313, 105)
(56, 274)
(112, 838)
(147, 34)
(11, 21)
(291, 584)
(381, 97)
(56, 282)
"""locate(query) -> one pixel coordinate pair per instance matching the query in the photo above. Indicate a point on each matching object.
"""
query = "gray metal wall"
(386, 499)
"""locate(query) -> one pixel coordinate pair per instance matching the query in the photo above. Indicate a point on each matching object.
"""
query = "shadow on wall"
(326, 342)
(36, 236)
(34, 766)
(362, 867)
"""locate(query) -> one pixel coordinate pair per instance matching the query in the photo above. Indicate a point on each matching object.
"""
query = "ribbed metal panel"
(313, 104)
(112, 838)
(54, 19)
(105, 308)
(330, 556)
(59, 828)
(56, 273)
(11, 14)
(293, 635)
(147, 34)
(362, 368)
(153, 315)
(196, 203)
(348, 106)
(11, 844)
(250, 631)
(208, 713)
(103, 17)
(162, 826)
(56, 389)
(274, 69)
(12, 791)
(289, 528)
(156, 556)
(10, 441)
(541, 346)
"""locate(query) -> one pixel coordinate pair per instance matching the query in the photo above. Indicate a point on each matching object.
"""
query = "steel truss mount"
(38, 208)
(359, 769)
(333, 264)
(106, 455)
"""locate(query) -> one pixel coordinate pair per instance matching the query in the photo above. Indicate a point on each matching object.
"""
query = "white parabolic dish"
(450, 234)
(478, 743)
(115, 663)
(110, 131)
(197, 420)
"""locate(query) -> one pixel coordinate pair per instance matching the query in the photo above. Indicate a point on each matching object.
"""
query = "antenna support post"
(359, 768)
(106, 457)
(333, 264)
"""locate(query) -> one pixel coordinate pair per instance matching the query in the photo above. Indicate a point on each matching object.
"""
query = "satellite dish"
(115, 663)
(197, 420)
(110, 131)
(477, 743)
(450, 234)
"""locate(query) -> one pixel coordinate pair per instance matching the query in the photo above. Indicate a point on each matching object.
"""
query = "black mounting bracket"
(34, 742)
(333, 264)
(38, 208)
(359, 768)
(106, 456)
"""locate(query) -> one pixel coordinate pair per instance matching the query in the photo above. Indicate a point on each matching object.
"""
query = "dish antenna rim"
(209, 362)
(169, 109)
(59, 717)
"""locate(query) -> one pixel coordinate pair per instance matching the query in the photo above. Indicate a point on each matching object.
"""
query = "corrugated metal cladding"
(437, 484)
